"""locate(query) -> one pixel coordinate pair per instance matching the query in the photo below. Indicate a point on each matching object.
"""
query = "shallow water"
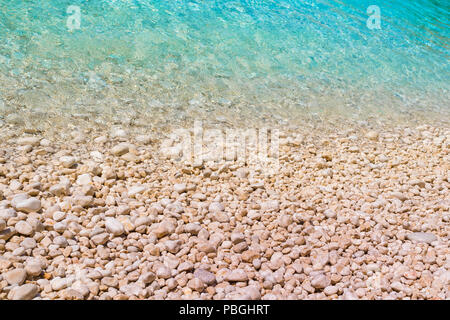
(141, 61)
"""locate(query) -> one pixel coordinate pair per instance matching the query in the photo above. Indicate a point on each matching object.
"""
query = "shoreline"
(358, 210)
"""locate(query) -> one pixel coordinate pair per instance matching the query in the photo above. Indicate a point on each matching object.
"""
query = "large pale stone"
(68, 161)
(32, 141)
(120, 149)
(114, 227)
(26, 292)
(236, 275)
(29, 205)
(24, 228)
(16, 276)
(421, 237)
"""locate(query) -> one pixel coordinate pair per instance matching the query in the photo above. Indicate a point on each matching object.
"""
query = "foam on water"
(164, 61)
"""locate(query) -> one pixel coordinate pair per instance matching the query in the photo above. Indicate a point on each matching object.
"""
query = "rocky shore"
(351, 214)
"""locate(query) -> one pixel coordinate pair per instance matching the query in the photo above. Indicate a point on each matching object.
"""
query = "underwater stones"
(32, 141)
(144, 139)
(120, 149)
(372, 135)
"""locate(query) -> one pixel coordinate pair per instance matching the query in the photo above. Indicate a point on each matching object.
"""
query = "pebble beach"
(354, 213)
(224, 150)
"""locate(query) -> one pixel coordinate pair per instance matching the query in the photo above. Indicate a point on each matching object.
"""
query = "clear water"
(136, 61)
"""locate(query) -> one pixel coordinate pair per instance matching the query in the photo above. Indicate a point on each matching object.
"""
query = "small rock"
(142, 221)
(173, 246)
(101, 140)
(249, 256)
(320, 281)
(237, 237)
(26, 292)
(144, 139)
(236, 275)
(119, 133)
(163, 272)
(250, 293)
(330, 214)
(60, 241)
(349, 295)
(31, 141)
(28, 243)
(114, 226)
(131, 290)
(400, 196)
(29, 205)
(330, 290)
(100, 239)
(136, 190)
(120, 149)
(67, 161)
(397, 286)
(206, 247)
(83, 201)
(196, 284)
(19, 198)
(130, 157)
(59, 283)
(372, 135)
(216, 207)
(24, 228)
(270, 206)
(7, 233)
(164, 228)
(84, 179)
(192, 228)
(205, 276)
(147, 277)
(180, 188)
(33, 268)
(417, 182)
(16, 276)
(421, 237)
(71, 294)
(59, 189)
(199, 196)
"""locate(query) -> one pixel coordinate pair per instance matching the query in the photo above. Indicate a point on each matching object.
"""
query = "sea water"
(142, 61)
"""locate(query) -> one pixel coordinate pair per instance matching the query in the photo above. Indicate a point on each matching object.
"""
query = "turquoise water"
(180, 56)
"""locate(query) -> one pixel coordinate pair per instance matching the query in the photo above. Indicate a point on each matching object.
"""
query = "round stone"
(33, 268)
(114, 227)
(205, 276)
(24, 228)
(28, 243)
(15, 277)
(25, 292)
